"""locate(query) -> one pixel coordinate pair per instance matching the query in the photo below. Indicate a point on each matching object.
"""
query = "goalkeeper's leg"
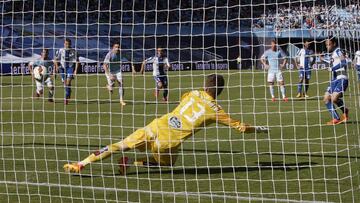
(96, 156)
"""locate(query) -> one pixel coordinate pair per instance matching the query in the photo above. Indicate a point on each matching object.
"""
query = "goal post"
(59, 116)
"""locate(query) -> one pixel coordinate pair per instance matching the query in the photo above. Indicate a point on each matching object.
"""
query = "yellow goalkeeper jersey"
(196, 109)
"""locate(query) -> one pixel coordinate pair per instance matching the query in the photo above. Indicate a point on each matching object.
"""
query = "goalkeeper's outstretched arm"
(225, 119)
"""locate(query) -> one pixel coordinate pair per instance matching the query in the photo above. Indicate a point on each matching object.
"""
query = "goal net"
(50, 116)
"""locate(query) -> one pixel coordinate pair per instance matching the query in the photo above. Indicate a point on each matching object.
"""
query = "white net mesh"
(301, 158)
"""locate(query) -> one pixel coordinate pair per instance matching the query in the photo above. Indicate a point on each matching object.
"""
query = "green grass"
(299, 159)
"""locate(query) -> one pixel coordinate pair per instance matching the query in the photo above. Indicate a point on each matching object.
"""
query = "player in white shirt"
(160, 66)
(357, 63)
(69, 63)
(338, 83)
(40, 72)
(273, 56)
(305, 58)
(112, 67)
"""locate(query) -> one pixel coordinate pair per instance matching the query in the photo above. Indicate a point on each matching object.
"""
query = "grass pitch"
(300, 159)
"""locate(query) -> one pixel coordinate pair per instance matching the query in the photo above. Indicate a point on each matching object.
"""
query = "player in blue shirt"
(160, 66)
(338, 83)
(273, 56)
(305, 58)
(69, 63)
(112, 67)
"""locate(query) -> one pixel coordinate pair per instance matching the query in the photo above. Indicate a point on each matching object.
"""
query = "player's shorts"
(358, 71)
(40, 85)
(148, 138)
(338, 86)
(112, 77)
(163, 79)
(305, 74)
(66, 73)
(275, 75)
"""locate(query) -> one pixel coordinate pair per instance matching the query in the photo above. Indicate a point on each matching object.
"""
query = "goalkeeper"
(164, 135)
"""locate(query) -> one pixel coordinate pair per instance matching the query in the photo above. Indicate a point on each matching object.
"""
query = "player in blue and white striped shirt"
(273, 56)
(69, 63)
(160, 66)
(305, 58)
(338, 83)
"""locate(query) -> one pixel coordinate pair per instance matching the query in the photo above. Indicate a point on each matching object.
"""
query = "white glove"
(261, 129)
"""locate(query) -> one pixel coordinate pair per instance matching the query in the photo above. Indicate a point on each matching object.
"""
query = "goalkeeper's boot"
(124, 164)
(73, 168)
(345, 116)
(333, 122)
(299, 95)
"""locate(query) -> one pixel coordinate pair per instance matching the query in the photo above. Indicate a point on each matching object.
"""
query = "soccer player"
(273, 56)
(338, 83)
(112, 67)
(44, 62)
(160, 66)
(69, 63)
(357, 63)
(305, 58)
(164, 135)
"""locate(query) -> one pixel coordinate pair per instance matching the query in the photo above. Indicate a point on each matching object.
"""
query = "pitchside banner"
(92, 68)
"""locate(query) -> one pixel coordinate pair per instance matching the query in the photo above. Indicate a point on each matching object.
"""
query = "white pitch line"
(193, 194)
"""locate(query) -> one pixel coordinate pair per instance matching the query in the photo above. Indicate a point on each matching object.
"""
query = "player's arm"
(106, 64)
(77, 63)
(283, 57)
(263, 60)
(167, 64)
(149, 60)
(225, 119)
(56, 61)
(31, 64)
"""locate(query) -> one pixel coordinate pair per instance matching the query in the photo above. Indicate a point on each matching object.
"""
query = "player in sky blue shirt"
(338, 83)
(113, 72)
(305, 59)
(271, 60)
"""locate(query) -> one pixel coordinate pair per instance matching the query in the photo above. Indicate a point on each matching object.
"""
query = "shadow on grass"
(94, 147)
(260, 166)
(230, 169)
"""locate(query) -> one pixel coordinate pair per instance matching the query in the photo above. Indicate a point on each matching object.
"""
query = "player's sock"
(67, 92)
(282, 89)
(165, 93)
(121, 93)
(306, 88)
(101, 154)
(340, 104)
(330, 106)
(51, 94)
(272, 91)
(299, 88)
